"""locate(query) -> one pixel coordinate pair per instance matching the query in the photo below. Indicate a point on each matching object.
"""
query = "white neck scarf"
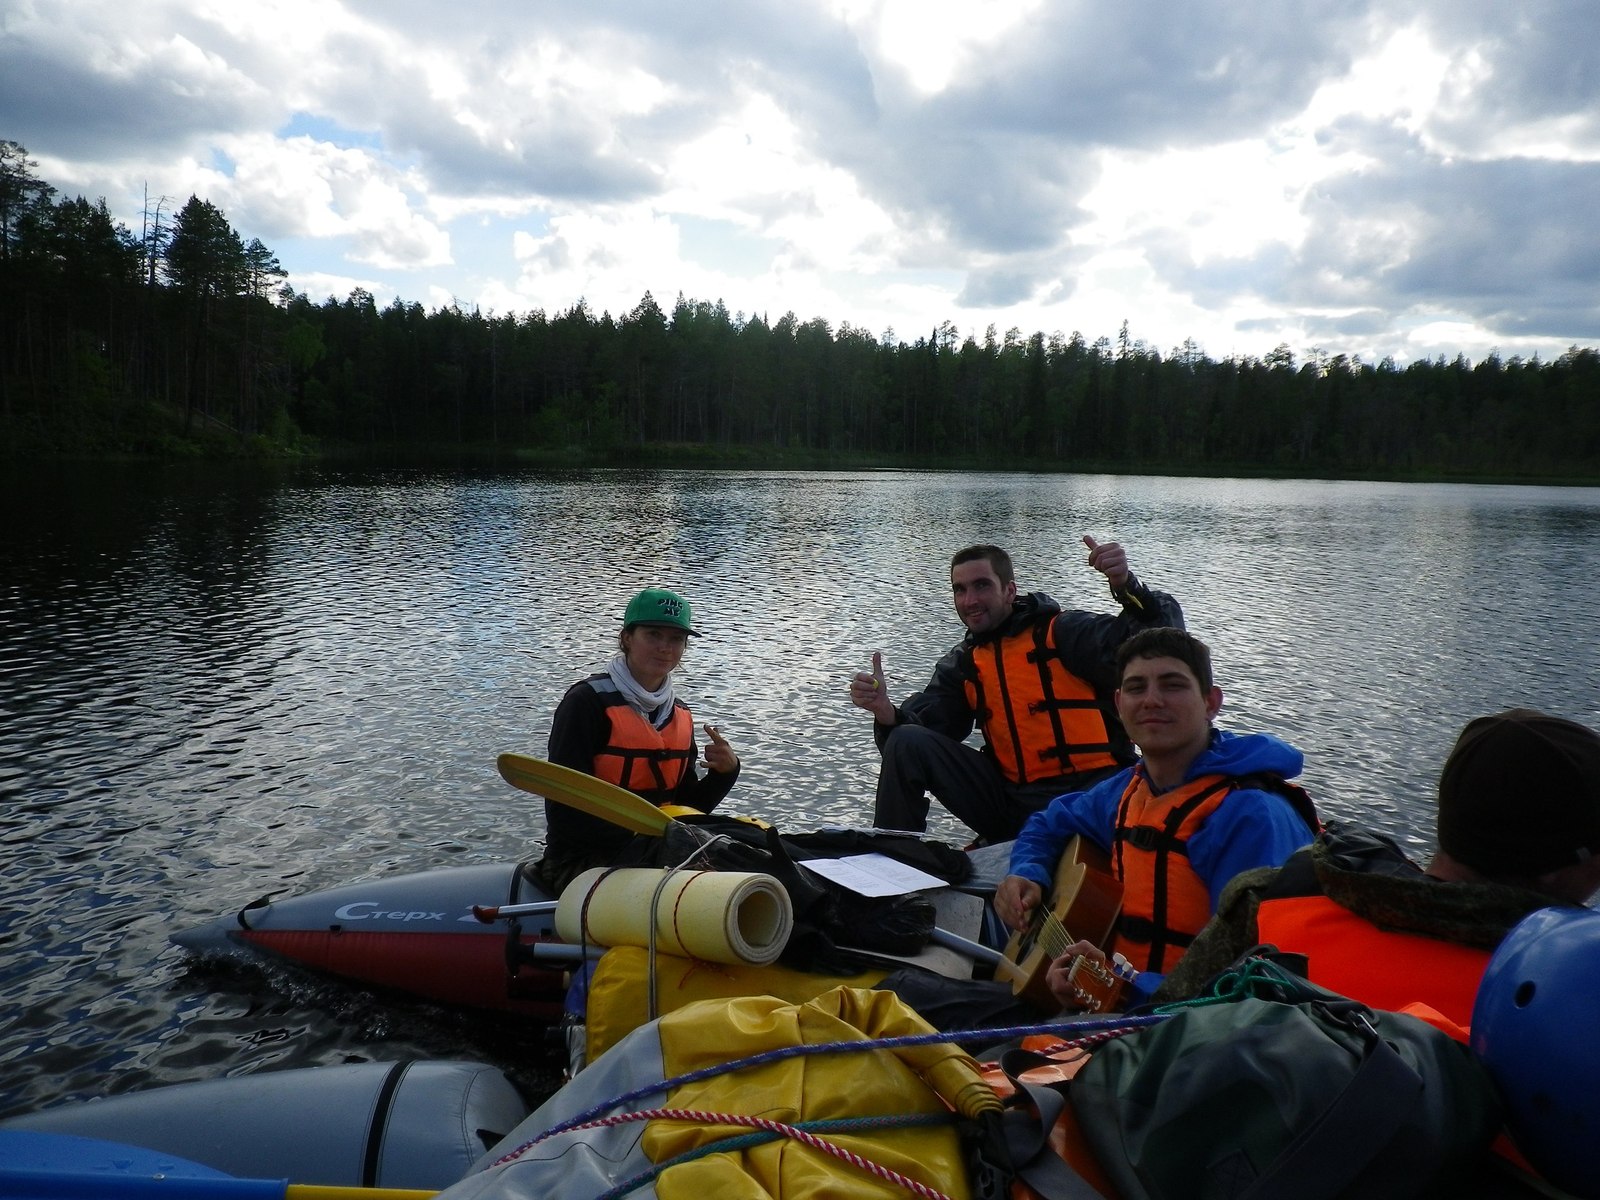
(656, 706)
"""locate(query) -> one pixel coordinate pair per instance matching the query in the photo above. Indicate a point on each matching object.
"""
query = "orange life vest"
(1038, 718)
(637, 755)
(1382, 969)
(1164, 902)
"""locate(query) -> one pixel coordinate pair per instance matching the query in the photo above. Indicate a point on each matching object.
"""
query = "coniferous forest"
(181, 338)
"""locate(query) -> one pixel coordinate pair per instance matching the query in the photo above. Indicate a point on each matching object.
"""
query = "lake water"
(218, 686)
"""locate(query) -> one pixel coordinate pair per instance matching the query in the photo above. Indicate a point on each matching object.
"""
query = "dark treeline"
(181, 338)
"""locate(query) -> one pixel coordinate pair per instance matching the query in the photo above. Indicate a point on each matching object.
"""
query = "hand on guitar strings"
(1016, 899)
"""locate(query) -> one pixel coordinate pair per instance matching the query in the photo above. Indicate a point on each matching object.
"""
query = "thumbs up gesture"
(719, 753)
(869, 690)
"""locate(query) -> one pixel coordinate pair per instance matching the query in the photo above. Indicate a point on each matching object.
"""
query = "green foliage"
(22, 193)
(184, 342)
(205, 258)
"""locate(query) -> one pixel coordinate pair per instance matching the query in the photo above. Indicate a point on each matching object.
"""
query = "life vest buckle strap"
(1144, 931)
(1136, 929)
(1063, 704)
(1148, 837)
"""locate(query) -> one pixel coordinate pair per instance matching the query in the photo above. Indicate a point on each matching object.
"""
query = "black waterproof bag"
(1302, 1095)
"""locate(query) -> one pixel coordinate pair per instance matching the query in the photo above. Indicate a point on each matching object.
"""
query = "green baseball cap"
(657, 606)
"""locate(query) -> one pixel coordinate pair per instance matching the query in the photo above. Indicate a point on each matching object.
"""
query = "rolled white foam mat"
(718, 916)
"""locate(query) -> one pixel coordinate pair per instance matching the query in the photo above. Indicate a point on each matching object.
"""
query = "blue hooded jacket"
(1251, 828)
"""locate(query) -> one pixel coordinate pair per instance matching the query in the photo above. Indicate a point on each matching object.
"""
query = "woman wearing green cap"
(626, 725)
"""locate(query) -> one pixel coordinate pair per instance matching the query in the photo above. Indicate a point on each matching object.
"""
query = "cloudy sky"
(1367, 177)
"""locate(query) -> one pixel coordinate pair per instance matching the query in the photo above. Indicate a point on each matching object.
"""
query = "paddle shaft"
(1003, 966)
(489, 913)
(562, 952)
(97, 1184)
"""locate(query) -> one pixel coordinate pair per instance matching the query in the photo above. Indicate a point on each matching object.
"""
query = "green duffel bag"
(1303, 1097)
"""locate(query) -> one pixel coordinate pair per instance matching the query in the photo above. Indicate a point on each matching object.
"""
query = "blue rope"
(1003, 1033)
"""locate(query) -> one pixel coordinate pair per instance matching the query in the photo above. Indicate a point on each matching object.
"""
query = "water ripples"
(221, 688)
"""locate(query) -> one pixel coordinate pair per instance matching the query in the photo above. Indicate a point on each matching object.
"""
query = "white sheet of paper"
(873, 874)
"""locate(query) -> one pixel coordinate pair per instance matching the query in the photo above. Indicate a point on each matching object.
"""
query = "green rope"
(1257, 978)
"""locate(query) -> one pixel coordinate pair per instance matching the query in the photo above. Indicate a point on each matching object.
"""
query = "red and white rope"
(800, 1135)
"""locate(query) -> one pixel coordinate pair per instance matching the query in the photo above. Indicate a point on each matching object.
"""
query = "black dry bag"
(1305, 1097)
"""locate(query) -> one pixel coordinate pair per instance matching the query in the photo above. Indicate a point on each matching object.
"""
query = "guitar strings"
(1053, 935)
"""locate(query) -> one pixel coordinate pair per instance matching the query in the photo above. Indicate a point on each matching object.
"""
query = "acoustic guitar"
(1082, 905)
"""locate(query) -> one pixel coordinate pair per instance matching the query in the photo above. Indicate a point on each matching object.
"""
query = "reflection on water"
(215, 689)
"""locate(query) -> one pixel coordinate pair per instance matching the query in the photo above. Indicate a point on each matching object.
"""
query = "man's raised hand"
(869, 690)
(1110, 559)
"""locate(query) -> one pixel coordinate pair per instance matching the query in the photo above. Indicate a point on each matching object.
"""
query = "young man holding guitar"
(1198, 807)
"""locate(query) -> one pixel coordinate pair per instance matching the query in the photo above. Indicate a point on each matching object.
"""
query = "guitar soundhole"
(1030, 936)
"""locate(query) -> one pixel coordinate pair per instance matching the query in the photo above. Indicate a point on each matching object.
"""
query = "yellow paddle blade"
(680, 812)
(577, 790)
